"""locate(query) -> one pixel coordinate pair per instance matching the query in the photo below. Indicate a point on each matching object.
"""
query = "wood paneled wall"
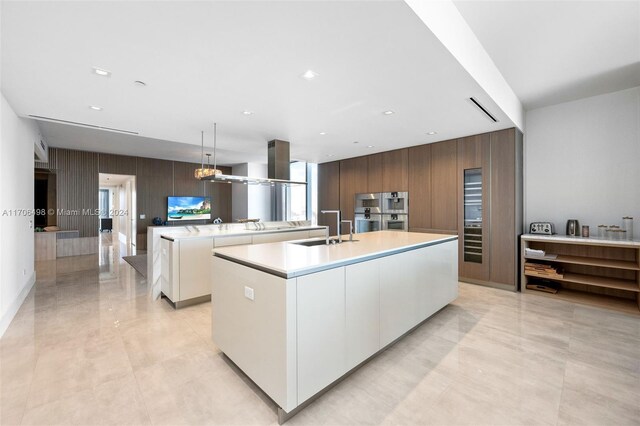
(77, 183)
(76, 189)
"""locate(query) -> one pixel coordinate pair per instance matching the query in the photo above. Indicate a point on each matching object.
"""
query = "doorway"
(117, 213)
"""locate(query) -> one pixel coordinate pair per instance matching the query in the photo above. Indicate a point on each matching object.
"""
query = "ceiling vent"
(75, 123)
(40, 150)
(483, 109)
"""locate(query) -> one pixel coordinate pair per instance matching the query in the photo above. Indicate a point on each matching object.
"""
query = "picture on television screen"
(188, 208)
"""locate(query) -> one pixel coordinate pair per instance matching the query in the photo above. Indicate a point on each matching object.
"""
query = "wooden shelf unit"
(595, 272)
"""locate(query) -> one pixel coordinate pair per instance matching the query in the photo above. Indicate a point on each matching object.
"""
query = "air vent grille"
(483, 109)
(76, 123)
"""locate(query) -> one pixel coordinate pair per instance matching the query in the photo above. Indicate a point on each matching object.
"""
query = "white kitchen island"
(298, 318)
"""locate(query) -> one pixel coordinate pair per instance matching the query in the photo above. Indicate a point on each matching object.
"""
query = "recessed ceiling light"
(309, 75)
(369, 146)
(388, 112)
(329, 155)
(95, 108)
(140, 83)
(247, 112)
(323, 133)
(101, 72)
(432, 133)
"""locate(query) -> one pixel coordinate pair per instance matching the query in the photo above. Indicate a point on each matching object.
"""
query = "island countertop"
(289, 260)
(234, 232)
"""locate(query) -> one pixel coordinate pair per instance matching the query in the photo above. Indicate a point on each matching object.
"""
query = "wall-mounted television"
(188, 208)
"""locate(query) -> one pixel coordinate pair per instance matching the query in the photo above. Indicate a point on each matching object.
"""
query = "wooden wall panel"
(154, 182)
(353, 180)
(444, 186)
(420, 187)
(328, 193)
(374, 173)
(77, 176)
(77, 190)
(220, 194)
(504, 241)
(395, 174)
(184, 183)
(117, 164)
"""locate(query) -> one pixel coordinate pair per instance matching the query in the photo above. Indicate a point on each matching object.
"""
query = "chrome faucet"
(337, 212)
(350, 228)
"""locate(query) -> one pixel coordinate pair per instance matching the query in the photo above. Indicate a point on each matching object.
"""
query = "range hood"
(277, 169)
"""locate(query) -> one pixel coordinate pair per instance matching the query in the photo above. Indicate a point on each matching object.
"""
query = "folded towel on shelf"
(534, 252)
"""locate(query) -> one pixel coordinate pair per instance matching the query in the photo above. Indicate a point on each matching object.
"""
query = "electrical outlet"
(143, 216)
(248, 293)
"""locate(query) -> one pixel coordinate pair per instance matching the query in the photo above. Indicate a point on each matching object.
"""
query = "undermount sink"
(319, 242)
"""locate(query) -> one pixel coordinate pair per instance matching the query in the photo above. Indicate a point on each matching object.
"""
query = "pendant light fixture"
(202, 173)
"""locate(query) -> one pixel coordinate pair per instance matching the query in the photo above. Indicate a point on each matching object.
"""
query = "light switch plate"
(143, 216)
(248, 293)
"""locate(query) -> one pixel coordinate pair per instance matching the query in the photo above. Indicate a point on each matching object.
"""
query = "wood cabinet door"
(353, 179)
(504, 239)
(374, 173)
(328, 193)
(420, 188)
(395, 174)
(473, 153)
(444, 186)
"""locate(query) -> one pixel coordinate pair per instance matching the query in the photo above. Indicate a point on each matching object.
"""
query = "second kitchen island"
(297, 318)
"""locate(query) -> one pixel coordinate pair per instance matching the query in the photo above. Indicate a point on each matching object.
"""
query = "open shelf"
(605, 274)
(623, 305)
(592, 280)
(589, 261)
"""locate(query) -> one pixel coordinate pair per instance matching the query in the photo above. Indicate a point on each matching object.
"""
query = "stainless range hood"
(277, 169)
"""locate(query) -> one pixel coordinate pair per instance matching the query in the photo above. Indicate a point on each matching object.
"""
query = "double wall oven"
(368, 208)
(382, 211)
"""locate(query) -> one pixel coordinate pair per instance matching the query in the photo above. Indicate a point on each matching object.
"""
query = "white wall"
(250, 201)
(582, 161)
(17, 274)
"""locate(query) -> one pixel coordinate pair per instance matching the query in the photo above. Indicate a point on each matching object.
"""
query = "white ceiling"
(209, 61)
(556, 51)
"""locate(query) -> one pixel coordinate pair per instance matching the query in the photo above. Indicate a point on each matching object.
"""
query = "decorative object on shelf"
(157, 221)
(208, 172)
(585, 231)
(545, 228)
(627, 225)
(602, 231)
(572, 227)
(217, 220)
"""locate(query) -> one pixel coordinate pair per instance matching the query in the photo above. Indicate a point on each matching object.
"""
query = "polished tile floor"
(90, 347)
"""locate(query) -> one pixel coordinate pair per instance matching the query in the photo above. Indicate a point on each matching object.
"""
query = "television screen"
(188, 208)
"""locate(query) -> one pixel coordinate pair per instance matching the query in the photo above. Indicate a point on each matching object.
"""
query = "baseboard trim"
(15, 306)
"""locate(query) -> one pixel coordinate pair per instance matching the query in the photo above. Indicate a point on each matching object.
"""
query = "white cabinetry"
(280, 236)
(294, 337)
(362, 311)
(195, 268)
(321, 331)
(186, 269)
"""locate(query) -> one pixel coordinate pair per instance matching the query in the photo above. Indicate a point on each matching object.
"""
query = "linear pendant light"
(219, 177)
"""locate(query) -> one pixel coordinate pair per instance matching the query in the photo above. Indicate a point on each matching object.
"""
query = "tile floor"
(90, 347)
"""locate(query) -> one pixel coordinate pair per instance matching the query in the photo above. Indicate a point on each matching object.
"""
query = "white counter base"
(294, 337)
